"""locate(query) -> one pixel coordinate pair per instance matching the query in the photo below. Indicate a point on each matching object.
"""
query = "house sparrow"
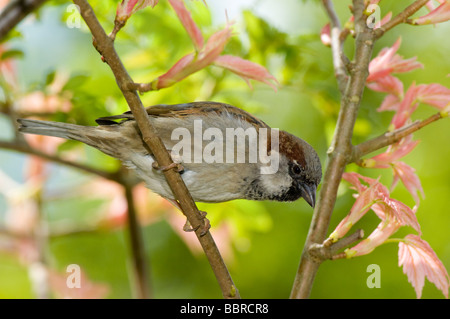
(214, 179)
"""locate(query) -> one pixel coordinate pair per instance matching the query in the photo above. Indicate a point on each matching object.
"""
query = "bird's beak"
(308, 193)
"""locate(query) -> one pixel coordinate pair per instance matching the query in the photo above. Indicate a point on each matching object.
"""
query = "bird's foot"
(179, 168)
(204, 228)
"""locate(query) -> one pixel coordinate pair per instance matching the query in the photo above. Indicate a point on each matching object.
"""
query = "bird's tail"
(90, 135)
(64, 130)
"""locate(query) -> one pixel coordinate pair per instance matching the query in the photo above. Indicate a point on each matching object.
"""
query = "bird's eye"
(296, 169)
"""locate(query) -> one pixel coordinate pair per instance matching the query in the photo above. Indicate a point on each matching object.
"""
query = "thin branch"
(400, 18)
(141, 87)
(59, 231)
(341, 151)
(338, 153)
(117, 26)
(336, 46)
(329, 250)
(22, 148)
(389, 138)
(7, 109)
(38, 268)
(136, 241)
(334, 20)
(346, 241)
(14, 12)
(104, 44)
(140, 264)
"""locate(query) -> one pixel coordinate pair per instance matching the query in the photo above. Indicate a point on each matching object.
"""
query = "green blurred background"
(266, 239)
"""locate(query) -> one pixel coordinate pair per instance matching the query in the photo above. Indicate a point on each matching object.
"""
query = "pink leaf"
(367, 196)
(380, 65)
(419, 261)
(375, 196)
(402, 171)
(210, 53)
(393, 215)
(387, 62)
(402, 66)
(433, 94)
(409, 178)
(383, 231)
(402, 147)
(354, 179)
(127, 7)
(216, 43)
(407, 106)
(390, 103)
(361, 206)
(246, 69)
(401, 212)
(177, 72)
(186, 20)
(192, 62)
(387, 84)
(384, 20)
(430, 4)
(440, 14)
(393, 153)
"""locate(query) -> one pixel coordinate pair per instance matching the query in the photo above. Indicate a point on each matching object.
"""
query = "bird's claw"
(204, 228)
(179, 168)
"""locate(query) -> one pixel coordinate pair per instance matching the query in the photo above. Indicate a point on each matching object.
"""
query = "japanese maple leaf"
(419, 261)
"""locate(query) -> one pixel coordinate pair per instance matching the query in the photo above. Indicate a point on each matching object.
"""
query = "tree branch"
(22, 148)
(14, 12)
(336, 46)
(389, 138)
(38, 268)
(104, 44)
(141, 87)
(140, 264)
(338, 153)
(400, 18)
(328, 250)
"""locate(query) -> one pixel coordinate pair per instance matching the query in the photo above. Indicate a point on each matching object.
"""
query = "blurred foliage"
(266, 238)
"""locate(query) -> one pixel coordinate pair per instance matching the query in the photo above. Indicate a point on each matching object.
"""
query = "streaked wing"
(189, 109)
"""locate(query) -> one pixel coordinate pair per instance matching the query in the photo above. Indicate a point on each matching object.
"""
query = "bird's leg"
(177, 166)
(187, 226)
(206, 226)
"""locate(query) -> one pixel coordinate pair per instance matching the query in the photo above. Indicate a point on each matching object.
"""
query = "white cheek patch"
(276, 183)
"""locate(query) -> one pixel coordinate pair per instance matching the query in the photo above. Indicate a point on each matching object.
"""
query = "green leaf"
(75, 82)
(11, 54)
(11, 35)
(50, 77)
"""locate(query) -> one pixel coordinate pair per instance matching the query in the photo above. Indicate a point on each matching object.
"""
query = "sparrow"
(297, 173)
